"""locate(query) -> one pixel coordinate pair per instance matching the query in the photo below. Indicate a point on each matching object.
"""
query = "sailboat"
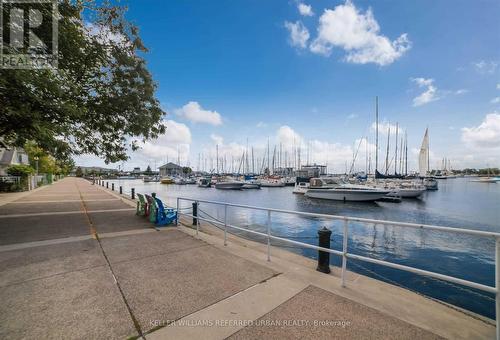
(378, 175)
(423, 157)
(487, 179)
(423, 163)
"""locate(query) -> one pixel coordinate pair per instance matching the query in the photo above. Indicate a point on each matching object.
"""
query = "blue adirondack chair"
(164, 216)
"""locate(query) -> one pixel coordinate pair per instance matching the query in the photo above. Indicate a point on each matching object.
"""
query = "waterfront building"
(170, 169)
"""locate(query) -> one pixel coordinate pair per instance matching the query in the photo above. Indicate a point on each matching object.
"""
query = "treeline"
(485, 171)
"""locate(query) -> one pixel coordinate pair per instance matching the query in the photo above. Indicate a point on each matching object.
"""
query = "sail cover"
(423, 158)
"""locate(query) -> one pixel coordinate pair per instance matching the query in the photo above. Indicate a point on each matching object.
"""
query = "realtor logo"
(28, 34)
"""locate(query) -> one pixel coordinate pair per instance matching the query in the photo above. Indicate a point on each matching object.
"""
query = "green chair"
(141, 205)
(152, 208)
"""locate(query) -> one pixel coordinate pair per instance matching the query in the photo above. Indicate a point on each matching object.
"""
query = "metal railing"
(345, 254)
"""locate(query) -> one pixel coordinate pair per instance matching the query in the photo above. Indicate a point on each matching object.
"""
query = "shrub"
(20, 170)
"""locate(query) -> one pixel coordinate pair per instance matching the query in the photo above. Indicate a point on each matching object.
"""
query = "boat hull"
(346, 195)
(272, 185)
(431, 184)
(229, 186)
(251, 186)
(486, 180)
(407, 193)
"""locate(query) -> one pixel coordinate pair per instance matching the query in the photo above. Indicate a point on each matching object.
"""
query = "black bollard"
(121, 190)
(112, 186)
(153, 194)
(107, 187)
(323, 256)
(132, 191)
(195, 213)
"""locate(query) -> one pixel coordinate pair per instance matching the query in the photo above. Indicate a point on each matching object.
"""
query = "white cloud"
(486, 135)
(498, 86)
(305, 10)
(430, 93)
(485, 67)
(288, 136)
(217, 139)
(299, 35)
(461, 91)
(196, 114)
(384, 127)
(176, 140)
(352, 116)
(358, 34)
(495, 100)
(261, 125)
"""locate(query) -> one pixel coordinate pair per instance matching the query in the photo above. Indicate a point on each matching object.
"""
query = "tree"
(186, 170)
(148, 170)
(99, 99)
(22, 171)
(41, 160)
(79, 172)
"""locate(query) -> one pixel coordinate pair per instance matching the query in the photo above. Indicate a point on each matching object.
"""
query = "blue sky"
(310, 70)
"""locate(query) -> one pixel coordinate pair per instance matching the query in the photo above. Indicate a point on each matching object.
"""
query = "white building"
(11, 156)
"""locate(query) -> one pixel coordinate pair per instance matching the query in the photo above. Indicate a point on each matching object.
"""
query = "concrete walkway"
(76, 262)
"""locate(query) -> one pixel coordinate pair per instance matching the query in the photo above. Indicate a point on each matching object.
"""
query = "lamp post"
(36, 163)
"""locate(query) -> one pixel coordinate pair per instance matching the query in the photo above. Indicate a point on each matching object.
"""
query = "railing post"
(112, 186)
(107, 185)
(497, 285)
(269, 235)
(225, 224)
(121, 190)
(177, 206)
(344, 251)
(323, 256)
(195, 213)
(132, 193)
(197, 219)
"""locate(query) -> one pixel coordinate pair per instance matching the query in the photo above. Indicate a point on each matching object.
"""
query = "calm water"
(458, 203)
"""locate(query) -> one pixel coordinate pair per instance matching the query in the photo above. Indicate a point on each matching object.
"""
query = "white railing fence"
(344, 253)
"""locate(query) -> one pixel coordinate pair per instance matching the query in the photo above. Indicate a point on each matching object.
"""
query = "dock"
(76, 262)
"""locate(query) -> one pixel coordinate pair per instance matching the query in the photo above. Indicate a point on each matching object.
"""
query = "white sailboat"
(423, 163)
(423, 158)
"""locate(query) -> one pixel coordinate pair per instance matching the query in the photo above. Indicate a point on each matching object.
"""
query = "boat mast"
(406, 154)
(268, 158)
(253, 163)
(217, 156)
(428, 155)
(376, 134)
(387, 152)
(396, 151)
(366, 155)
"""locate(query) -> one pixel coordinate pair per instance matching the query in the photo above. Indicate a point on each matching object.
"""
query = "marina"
(228, 276)
(243, 170)
(454, 205)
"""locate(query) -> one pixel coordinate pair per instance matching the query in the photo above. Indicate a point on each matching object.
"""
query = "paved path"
(77, 263)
